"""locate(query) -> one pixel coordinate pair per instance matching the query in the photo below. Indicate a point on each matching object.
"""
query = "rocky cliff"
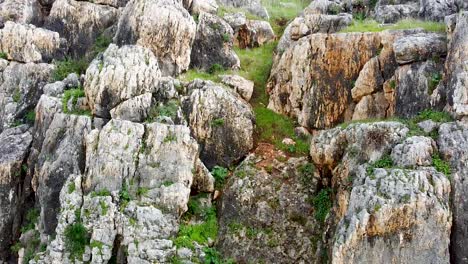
(233, 131)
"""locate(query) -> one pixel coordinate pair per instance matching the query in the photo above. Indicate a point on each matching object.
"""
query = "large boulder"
(27, 43)
(395, 216)
(264, 217)
(312, 80)
(164, 27)
(220, 121)
(213, 44)
(389, 11)
(120, 74)
(419, 47)
(21, 89)
(62, 154)
(14, 148)
(80, 23)
(453, 146)
(21, 11)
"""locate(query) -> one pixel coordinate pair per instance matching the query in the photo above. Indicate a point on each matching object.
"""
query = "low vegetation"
(220, 174)
(368, 25)
(3, 55)
(385, 162)
(76, 240)
(322, 204)
(441, 165)
(65, 67)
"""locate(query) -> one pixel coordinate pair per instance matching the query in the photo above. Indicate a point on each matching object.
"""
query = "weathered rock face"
(456, 68)
(249, 33)
(453, 145)
(80, 23)
(253, 6)
(313, 79)
(395, 215)
(242, 86)
(419, 47)
(62, 154)
(136, 213)
(21, 89)
(414, 87)
(118, 75)
(387, 11)
(14, 148)
(27, 43)
(384, 214)
(199, 6)
(253, 202)
(111, 155)
(21, 11)
(164, 27)
(221, 122)
(213, 44)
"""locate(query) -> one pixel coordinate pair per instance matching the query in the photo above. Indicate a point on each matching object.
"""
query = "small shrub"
(436, 116)
(16, 95)
(226, 37)
(199, 233)
(441, 165)
(67, 66)
(220, 174)
(433, 82)
(3, 55)
(72, 94)
(124, 196)
(102, 192)
(76, 240)
(215, 68)
(31, 218)
(219, 122)
(104, 207)
(31, 116)
(322, 204)
(169, 110)
(392, 84)
(385, 162)
(100, 45)
(170, 137)
(142, 191)
(71, 187)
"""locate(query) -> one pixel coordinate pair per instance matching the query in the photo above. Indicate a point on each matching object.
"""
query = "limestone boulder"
(163, 26)
(220, 121)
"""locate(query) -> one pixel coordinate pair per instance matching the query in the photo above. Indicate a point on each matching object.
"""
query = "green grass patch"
(102, 192)
(385, 162)
(322, 204)
(76, 240)
(193, 74)
(73, 94)
(65, 67)
(273, 128)
(168, 110)
(199, 233)
(3, 55)
(212, 256)
(441, 165)
(369, 25)
(220, 174)
(31, 218)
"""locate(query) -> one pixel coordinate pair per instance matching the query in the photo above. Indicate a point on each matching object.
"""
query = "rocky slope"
(233, 131)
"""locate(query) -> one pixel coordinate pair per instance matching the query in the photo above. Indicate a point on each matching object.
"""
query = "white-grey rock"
(241, 85)
(221, 122)
(118, 75)
(135, 109)
(419, 47)
(164, 27)
(21, 11)
(414, 151)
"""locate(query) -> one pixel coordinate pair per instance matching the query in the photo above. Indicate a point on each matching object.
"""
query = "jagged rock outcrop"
(241, 85)
(14, 148)
(255, 197)
(199, 6)
(456, 68)
(138, 211)
(414, 85)
(395, 215)
(414, 151)
(21, 89)
(249, 33)
(313, 79)
(118, 75)
(135, 109)
(213, 44)
(21, 11)
(62, 154)
(80, 23)
(164, 27)
(27, 43)
(220, 121)
(387, 11)
(453, 145)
